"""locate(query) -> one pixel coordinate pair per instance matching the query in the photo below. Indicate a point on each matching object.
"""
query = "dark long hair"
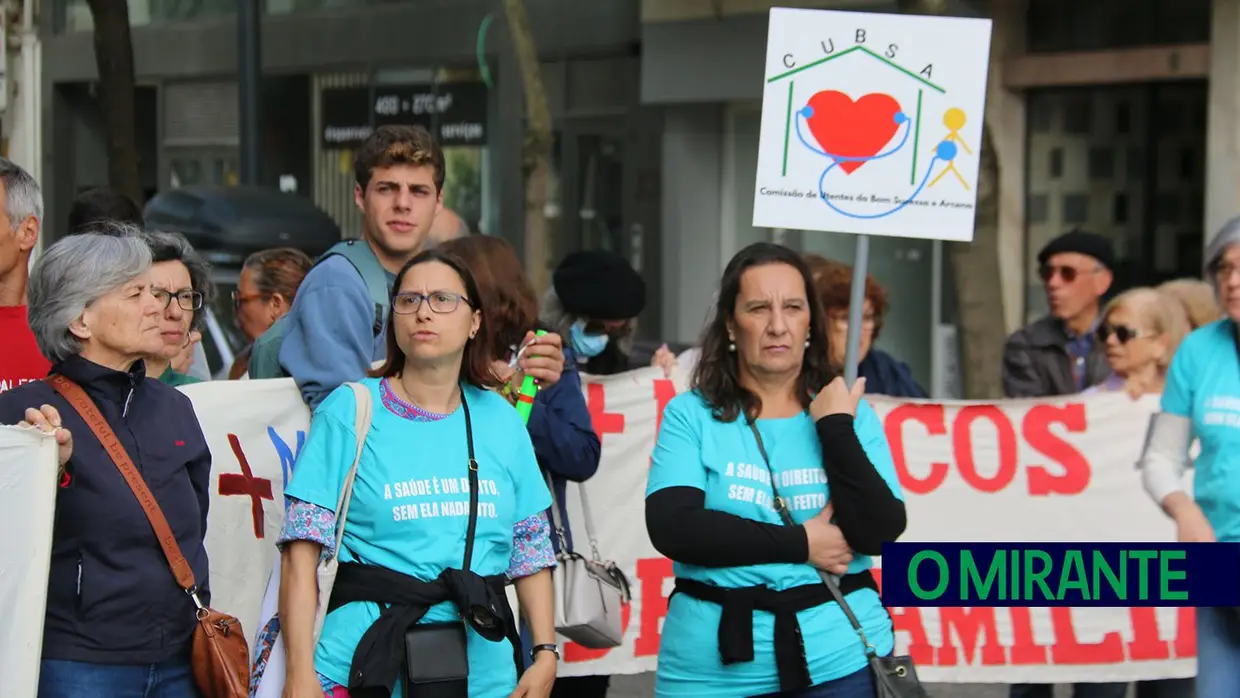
(717, 375)
(476, 364)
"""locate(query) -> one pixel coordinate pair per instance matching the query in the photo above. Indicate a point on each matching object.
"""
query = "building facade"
(1118, 116)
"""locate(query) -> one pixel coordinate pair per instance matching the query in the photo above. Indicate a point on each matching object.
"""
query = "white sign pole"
(856, 307)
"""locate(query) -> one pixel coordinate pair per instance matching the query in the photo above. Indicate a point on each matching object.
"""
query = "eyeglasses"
(239, 298)
(1123, 333)
(1068, 274)
(187, 299)
(1224, 270)
(441, 302)
(841, 319)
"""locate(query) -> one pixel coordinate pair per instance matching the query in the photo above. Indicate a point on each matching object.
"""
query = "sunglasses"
(1122, 333)
(1068, 274)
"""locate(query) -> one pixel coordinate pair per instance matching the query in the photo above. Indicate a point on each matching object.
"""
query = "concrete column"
(1005, 115)
(1223, 120)
(692, 209)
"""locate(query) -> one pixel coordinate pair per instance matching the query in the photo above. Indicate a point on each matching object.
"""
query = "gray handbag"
(589, 592)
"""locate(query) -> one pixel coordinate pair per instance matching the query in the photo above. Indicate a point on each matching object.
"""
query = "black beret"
(599, 285)
(1080, 242)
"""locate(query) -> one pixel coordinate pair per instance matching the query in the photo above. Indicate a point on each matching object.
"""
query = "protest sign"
(27, 505)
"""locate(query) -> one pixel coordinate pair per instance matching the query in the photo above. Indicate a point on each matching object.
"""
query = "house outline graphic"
(855, 50)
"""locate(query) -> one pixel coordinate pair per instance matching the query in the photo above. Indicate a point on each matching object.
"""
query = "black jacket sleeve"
(866, 510)
(683, 529)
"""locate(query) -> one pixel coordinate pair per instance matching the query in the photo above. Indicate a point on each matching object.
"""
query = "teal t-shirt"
(722, 459)
(1203, 384)
(410, 509)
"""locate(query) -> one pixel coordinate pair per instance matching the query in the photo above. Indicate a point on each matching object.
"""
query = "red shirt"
(20, 359)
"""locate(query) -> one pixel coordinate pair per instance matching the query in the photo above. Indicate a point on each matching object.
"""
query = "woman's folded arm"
(867, 511)
(683, 529)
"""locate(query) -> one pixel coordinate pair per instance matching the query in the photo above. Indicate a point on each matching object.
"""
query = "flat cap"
(1081, 242)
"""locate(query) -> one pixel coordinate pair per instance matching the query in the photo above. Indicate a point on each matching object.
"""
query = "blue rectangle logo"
(1061, 574)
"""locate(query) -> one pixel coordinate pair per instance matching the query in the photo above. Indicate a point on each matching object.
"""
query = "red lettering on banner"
(1036, 430)
(1146, 645)
(256, 488)
(1185, 633)
(931, 416)
(1025, 650)
(908, 620)
(604, 422)
(651, 575)
(1068, 650)
(962, 447)
(664, 391)
(970, 624)
(1071, 477)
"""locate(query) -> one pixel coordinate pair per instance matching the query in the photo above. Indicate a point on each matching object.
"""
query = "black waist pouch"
(436, 661)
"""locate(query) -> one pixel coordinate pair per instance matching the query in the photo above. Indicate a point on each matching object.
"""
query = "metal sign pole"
(856, 309)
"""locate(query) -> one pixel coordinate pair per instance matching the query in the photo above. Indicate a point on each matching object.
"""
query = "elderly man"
(1057, 355)
(21, 214)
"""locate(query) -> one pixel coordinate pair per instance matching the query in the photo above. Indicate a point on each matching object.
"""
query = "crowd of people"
(438, 330)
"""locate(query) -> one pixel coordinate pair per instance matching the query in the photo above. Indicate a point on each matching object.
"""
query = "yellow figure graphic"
(954, 120)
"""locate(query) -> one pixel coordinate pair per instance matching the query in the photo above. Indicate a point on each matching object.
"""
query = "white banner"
(27, 507)
(1049, 470)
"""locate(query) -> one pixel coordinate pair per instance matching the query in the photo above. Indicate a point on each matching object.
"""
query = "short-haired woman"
(767, 409)
(437, 426)
(1141, 328)
(181, 280)
(265, 291)
(883, 373)
(117, 625)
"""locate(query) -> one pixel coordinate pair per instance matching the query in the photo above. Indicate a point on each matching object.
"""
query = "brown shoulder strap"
(90, 414)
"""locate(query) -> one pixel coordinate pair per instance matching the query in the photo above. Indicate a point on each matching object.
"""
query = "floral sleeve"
(310, 522)
(531, 547)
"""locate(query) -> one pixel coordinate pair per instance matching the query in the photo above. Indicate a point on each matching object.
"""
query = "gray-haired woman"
(1199, 402)
(181, 280)
(117, 624)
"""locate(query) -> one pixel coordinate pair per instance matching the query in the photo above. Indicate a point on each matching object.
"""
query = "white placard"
(27, 507)
(872, 123)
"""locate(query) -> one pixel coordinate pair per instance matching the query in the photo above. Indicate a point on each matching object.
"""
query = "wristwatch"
(547, 647)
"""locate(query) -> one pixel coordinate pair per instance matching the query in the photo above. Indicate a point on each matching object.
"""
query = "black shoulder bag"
(436, 654)
(894, 677)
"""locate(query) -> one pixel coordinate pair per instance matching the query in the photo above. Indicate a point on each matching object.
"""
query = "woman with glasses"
(117, 624)
(1141, 329)
(415, 542)
(181, 280)
(1203, 385)
(265, 291)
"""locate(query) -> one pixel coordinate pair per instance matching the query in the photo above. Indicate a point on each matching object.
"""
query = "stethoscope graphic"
(944, 152)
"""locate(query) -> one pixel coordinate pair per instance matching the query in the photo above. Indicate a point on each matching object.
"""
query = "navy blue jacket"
(564, 440)
(111, 598)
(884, 374)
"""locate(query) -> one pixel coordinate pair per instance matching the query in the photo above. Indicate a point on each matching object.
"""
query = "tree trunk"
(114, 58)
(975, 265)
(536, 154)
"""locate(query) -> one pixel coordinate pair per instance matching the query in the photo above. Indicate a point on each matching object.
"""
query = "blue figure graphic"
(944, 152)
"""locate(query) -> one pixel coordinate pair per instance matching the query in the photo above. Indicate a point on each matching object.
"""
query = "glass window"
(77, 15)
(1073, 25)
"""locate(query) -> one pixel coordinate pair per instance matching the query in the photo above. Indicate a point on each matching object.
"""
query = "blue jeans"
(1218, 654)
(858, 685)
(63, 679)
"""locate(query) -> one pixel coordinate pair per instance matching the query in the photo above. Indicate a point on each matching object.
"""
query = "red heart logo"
(852, 129)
